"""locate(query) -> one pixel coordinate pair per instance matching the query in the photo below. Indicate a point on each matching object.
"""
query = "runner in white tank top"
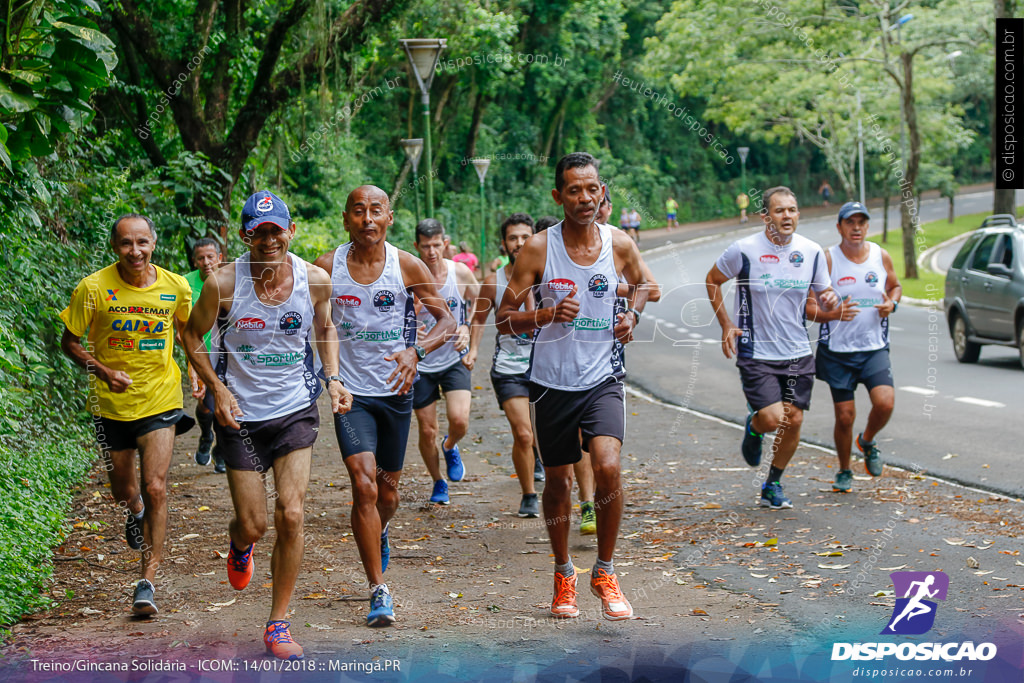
(269, 306)
(575, 386)
(509, 364)
(373, 435)
(444, 369)
(854, 344)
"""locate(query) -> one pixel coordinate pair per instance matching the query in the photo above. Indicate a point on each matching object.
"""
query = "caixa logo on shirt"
(291, 322)
(348, 301)
(769, 258)
(561, 285)
(250, 324)
(598, 285)
(872, 279)
(797, 259)
(384, 300)
(847, 281)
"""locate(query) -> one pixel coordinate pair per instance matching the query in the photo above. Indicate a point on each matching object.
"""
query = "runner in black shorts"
(576, 368)
(774, 270)
(270, 308)
(509, 365)
(854, 344)
(373, 284)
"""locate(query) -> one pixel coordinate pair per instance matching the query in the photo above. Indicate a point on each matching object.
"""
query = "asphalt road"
(951, 420)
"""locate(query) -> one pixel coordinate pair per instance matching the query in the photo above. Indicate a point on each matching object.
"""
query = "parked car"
(985, 289)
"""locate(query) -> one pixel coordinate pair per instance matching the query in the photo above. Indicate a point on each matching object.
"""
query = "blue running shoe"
(456, 470)
(773, 497)
(385, 551)
(751, 443)
(382, 611)
(440, 494)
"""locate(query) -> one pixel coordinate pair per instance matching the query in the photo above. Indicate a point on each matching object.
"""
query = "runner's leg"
(291, 478)
(155, 449)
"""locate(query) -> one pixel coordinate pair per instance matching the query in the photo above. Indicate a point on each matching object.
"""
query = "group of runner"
(386, 332)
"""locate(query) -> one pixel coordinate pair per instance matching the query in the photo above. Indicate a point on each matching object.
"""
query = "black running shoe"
(752, 441)
(133, 532)
(142, 601)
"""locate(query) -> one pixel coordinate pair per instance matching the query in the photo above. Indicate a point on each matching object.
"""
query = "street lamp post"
(481, 171)
(413, 147)
(423, 54)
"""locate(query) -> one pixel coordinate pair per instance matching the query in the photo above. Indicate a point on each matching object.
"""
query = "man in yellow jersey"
(129, 309)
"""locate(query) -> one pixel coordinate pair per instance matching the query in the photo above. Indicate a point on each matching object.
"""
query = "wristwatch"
(895, 305)
(328, 380)
(636, 314)
(420, 351)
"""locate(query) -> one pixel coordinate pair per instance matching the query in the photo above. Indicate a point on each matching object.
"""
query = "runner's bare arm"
(326, 336)
(484, 304)
(217, 292)
(326, 261)
(893, 288)
(418, 279)
(528, 272)
(71, 345)
(628, 254)
(730, 332)
(470, 289)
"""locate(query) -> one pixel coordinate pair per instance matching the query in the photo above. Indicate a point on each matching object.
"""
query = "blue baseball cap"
(850, 208)
(265, 207)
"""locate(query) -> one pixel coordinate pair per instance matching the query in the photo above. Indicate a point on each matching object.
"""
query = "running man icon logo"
(913, 614)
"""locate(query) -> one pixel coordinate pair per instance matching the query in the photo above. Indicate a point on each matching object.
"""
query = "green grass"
(929, 284)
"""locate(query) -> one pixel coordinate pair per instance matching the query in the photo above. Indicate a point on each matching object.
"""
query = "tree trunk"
(909, 210)
(952, 211)
(885, 218)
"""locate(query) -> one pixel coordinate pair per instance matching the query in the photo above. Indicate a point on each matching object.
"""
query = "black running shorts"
(560, 418)
(772, 381)
(256, 446)
(378, 425)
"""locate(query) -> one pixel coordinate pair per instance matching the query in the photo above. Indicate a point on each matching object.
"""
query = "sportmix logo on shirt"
(348, 300)
(847, 281)
(871, 279)
(913, 614)
(121, 343)
(379, 335)
(598, 285)
(769, 258)
(589, 324)
(561, 285)
(250, 324)
(291, 322)
(384, 300)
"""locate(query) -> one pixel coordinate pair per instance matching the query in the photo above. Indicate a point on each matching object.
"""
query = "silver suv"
(985, 289)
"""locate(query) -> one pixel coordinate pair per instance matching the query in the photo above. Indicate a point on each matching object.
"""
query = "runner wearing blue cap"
(854, 344)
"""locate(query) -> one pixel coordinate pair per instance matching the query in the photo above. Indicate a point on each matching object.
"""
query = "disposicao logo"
(914, 614)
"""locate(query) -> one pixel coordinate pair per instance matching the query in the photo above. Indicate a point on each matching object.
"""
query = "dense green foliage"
(181, 108)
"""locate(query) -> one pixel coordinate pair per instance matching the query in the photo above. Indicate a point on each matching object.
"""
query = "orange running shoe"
(279, 641)
(606, 586)
(563, 605)
(240, 566)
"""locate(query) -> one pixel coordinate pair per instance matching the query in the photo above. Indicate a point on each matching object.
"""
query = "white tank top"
(373, 321)
(264, 354)
(864, 283)
(444, 357)
(511, 351)
(580, 354)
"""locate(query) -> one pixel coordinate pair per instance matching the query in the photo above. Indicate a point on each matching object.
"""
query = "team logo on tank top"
(291, 322)
(797, 259)
(348, 301)
(453, 303)
(384, 300)
(598, 285)
(872, 279)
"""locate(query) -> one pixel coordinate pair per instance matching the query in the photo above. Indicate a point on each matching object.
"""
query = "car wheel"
(966, 351)
(1020, 341)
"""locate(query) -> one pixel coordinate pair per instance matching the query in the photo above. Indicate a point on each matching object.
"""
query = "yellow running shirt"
(131, 330)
